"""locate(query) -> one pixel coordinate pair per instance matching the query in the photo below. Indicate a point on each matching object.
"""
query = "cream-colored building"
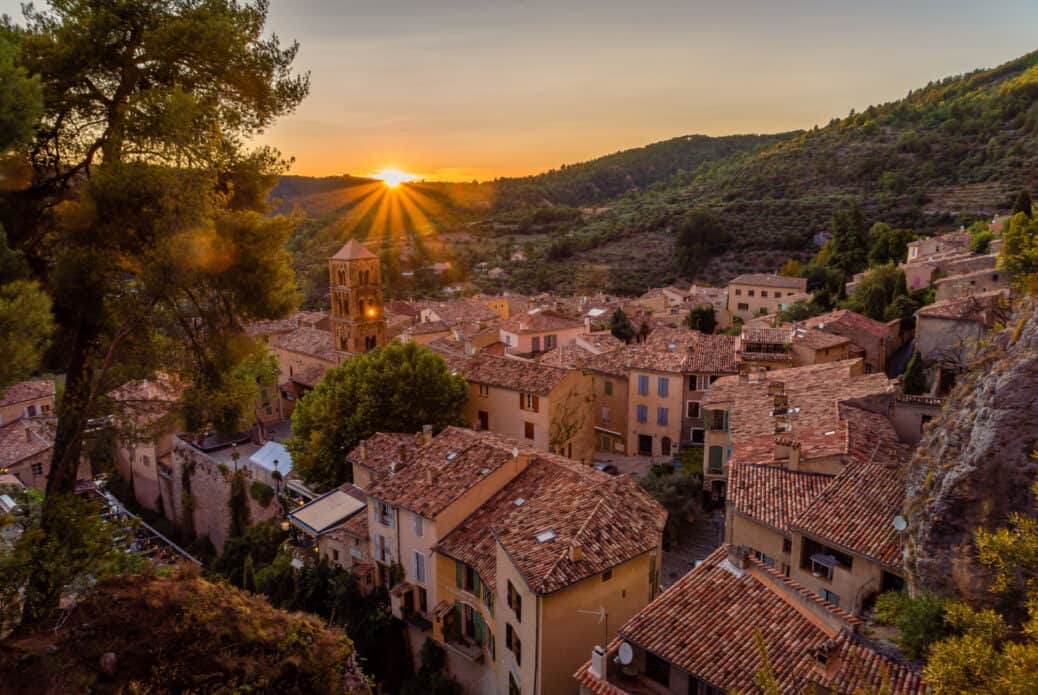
(756, 294)
(34, 398)
(545, 406)
(539, 331)
(145, 423)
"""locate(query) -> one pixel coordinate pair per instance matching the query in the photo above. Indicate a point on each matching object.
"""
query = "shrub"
(262, 493)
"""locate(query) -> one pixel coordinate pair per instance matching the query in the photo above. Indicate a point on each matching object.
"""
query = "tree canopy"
(397, 388)
(142, 212)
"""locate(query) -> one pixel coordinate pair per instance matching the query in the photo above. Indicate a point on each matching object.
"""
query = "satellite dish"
(625, 653)
(900, 524)
(515, 452)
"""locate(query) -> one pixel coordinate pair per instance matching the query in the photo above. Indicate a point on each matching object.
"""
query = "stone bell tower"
(355, 280)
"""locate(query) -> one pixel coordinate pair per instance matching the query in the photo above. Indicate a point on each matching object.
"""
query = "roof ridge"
(565, 549)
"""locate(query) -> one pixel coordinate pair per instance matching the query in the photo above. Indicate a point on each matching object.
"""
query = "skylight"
(484, 471)
(452, 455)
(545, 536)
(519, 501)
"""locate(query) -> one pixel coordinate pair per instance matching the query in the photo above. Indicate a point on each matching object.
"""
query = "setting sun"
(394, 177)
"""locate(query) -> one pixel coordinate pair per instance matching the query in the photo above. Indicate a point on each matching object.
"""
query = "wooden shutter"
(458, 573)
(536, 404)
(522, 401)
(476, 588)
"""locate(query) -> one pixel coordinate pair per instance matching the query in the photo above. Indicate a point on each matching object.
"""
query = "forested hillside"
(951, 152)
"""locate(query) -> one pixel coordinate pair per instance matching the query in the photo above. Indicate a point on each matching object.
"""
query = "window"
(528, 430)
(657, 669)
(335, 555)
(787, 545)
(606, 414)
(550, 341)
(607, 575)
(484, 390)
(384, 513)
(528, 401)
(484, 420)
(716, 465)
(417, 524)
(643, 413)
(692, 409)
(37, 469)
(419, 567)
(738, 293)
(467, 579)
(607, 387)
(535, 343)
(661, 416)
(515, 602)
(513, 685)
(643, 385)
(488, 598)
(830, 597)
(697, 435)
(30, 411)
(145, 460)
(766, 559)
(423, 600)
(662, 387)
(752, 293)
(743, 306)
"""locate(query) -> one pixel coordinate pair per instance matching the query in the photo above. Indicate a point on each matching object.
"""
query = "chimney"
(430, 475)
(362, 450)
(739, 556)
(598, 662)
(470, 349)
(576, 553)
(402, 453)
(776, 388)
(28, 435)
(426, 434)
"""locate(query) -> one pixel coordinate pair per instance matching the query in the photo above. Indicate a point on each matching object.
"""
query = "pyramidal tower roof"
(352, 251)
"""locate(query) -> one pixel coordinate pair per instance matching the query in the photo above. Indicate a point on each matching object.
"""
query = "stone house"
(755, 294)
(874, 341)
(33, 398)
(968, 284)
(146, 422)
(537, 332)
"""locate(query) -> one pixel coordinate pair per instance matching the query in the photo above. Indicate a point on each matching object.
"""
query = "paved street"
(705, 535)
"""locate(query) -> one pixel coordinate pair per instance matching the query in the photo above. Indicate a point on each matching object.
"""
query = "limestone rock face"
(976, 462)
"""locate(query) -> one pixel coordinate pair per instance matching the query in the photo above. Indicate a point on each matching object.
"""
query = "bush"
(262, 493)
(920, 620)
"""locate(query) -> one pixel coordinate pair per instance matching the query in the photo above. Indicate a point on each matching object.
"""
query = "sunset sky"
(458, 89)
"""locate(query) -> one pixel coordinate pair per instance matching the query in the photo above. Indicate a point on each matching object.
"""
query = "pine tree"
(1023, 203)
(620, 326)
(248, 574)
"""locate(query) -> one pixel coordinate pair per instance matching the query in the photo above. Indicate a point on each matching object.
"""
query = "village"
(521, 540)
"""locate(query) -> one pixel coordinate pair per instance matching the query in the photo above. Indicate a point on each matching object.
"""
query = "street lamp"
(235, 455)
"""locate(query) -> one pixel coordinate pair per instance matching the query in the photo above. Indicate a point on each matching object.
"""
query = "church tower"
(358, 324)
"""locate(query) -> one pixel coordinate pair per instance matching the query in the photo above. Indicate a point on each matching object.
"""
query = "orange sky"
(461, 90)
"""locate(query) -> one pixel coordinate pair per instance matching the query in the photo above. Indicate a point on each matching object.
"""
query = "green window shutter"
(460, 617)
(458, 573)
(476, 587)
(479, 627)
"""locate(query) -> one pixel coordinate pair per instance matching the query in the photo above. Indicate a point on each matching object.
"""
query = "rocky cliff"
(976, 462)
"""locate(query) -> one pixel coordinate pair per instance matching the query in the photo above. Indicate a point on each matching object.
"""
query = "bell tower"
(355, 288)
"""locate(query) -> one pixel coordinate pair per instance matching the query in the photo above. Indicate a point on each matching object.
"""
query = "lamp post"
(235, 455)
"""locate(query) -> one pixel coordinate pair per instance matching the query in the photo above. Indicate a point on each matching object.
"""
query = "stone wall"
(208, 512)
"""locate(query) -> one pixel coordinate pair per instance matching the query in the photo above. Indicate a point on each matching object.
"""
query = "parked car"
(607, 468)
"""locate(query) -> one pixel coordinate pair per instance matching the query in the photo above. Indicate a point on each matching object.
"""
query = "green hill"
(953, 151)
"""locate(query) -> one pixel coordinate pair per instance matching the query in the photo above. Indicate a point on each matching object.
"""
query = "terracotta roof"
(855, 512)
(272, 326)
(429, 327)
(310, 376)
(972, 308)
(767, 336)
(616, 362)
(706, 623)
(600, 342)
(610, 519)
(445, 469)
(813, 393)
(307, 341)
(753, 356)
(146, 401)
(539, 322)
(403, 308)
(28, 391)
(458, 310)
(680, 350)
(772, 495)
(569, 356)
(818, 340)
(767, 280)
(507, 372)
(845, 321)
(25, 437)
(382, 450)
(353, 250)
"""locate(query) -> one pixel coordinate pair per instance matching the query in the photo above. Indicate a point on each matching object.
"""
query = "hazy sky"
(460, 89)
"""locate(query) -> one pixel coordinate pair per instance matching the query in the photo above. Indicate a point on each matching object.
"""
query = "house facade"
(757, 294)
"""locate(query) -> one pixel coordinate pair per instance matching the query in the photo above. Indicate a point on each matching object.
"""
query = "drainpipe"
(537, 642)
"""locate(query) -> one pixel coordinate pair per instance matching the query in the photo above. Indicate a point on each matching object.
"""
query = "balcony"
(470, 650)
